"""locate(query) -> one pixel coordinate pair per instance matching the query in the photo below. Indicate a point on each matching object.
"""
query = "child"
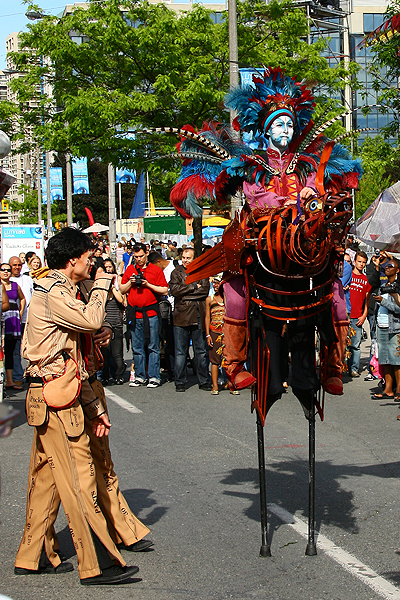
(215, 311)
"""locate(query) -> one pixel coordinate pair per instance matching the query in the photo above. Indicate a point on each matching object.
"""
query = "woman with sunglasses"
(388, 332)
(12, 321)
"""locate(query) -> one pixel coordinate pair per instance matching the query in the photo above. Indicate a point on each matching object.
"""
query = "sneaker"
(206, 387)
(137, 382)
(355, 374)
(132, 378)
(370, 377)
(153, 383)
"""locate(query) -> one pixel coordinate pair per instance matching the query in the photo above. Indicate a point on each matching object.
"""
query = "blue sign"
(56, 186)
(80, 175)
(246, 78)
(123, 176)
(43, 183)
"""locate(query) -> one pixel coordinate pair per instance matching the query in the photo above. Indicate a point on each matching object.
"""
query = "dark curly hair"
(69, 243)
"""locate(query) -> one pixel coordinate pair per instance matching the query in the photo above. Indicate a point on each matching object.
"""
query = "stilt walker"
(282, 255)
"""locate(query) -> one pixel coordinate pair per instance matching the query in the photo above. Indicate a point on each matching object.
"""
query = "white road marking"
(121, 402)
(349, 562)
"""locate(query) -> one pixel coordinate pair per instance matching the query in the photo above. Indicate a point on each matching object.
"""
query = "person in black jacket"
(189, 322)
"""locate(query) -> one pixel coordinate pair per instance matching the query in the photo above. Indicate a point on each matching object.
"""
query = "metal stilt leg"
(265, 550)
(311, 549)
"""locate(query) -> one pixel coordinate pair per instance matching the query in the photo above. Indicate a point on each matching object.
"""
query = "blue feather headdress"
(273, 95)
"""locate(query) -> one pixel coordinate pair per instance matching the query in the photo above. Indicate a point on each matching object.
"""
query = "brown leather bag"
(62, 390)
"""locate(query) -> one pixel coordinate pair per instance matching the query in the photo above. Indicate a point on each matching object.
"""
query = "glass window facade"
(367, 96)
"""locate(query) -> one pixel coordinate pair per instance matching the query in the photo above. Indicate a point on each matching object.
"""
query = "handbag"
(62, 391)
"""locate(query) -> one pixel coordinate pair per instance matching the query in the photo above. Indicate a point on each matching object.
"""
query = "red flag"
(90, 216)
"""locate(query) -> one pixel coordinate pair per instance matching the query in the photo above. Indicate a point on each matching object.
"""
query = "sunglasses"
(6, 270)
(391, 266)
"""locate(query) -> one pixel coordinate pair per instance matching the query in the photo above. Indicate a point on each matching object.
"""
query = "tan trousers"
(123, 525)
(62, 468)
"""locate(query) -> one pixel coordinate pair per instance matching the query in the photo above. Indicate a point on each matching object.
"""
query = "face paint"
(280, 133)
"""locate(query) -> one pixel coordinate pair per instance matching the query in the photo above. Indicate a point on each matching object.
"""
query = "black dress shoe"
(180, 388)
(64, 567)
(139, 546)
(111, 575)
(207, 387)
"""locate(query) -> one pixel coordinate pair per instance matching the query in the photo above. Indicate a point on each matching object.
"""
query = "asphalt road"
(188, 465)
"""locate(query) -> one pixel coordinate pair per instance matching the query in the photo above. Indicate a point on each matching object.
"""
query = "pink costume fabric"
(235, 298)
(280, 188)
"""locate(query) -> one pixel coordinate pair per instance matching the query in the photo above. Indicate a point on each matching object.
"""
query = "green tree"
(28, 209)
(379, 159)
(148, 66)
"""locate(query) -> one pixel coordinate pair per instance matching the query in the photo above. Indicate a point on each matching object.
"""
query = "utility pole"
(236, 200)
(38, 184)
(49, 222)
(69, 188)
(112, 233)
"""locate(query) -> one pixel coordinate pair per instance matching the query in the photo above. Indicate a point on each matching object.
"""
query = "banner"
(139, 203)
(123, 176)
(43, 183)
(246, 78)
(80, 175)
(56, 186)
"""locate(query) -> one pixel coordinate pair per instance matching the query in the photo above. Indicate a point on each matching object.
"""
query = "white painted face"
(280, 133)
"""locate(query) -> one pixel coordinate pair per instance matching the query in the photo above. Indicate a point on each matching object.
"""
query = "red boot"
(334, 368)
(235, 354)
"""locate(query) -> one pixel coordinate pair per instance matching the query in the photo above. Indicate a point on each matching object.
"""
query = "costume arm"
(75, 314)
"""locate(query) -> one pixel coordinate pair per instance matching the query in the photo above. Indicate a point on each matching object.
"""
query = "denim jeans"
(182, 337)
(371, 319)
(153, 347)
(116, 351)
(355, 347)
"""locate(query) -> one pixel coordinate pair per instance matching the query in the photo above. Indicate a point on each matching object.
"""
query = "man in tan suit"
(55, 404)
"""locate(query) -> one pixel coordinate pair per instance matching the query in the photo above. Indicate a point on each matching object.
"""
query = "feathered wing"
(203, 159)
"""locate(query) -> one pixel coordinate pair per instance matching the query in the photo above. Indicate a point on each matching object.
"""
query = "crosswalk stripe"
(349, 562)
(121, 402)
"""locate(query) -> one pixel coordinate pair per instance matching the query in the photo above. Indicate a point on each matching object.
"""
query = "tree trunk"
(197, 234)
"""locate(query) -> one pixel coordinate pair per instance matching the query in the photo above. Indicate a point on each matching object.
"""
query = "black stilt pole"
(265, 550)
(311, 549)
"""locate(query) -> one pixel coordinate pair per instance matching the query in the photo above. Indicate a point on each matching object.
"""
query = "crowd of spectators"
(372, 294)
(170, 325)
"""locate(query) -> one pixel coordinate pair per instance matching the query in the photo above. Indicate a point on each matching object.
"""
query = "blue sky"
(12, 18)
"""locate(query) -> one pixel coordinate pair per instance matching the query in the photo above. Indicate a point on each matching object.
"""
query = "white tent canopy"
(379, 226)
(96, 228)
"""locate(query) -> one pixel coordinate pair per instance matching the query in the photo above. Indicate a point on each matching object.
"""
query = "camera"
(139, 278)
(390, 288)
(377, 252)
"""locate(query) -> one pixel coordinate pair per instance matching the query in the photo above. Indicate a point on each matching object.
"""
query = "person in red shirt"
(144, 282)
(360, 291)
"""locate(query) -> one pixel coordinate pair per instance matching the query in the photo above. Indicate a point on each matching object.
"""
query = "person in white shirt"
(26, 284)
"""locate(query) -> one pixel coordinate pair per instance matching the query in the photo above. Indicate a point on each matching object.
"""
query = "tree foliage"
(148, 66)
(381, 164)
